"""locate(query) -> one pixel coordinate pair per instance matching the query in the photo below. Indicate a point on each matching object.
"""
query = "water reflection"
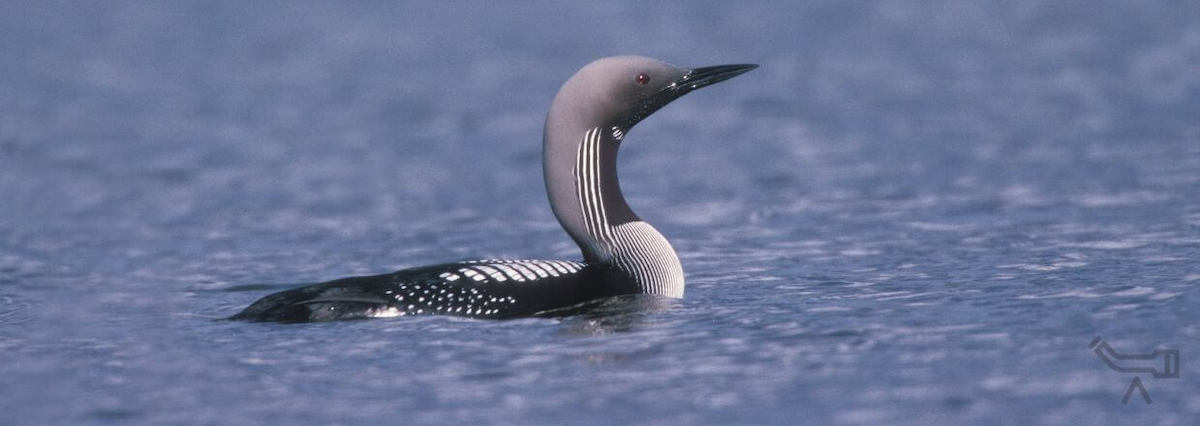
(610, 315)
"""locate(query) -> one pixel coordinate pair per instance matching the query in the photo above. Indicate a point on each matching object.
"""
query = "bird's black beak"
(694, 79)
(705, 76)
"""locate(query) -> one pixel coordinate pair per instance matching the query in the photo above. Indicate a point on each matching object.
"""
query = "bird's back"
(480, 289)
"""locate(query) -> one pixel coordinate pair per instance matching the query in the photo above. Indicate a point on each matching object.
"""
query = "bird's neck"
(580, 168)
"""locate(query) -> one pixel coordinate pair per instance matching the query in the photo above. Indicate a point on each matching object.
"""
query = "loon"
(622, 255)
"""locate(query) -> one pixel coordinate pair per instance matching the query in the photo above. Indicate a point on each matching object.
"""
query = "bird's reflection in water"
(611, 315)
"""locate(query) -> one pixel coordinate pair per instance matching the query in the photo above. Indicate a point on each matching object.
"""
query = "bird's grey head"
(622, 90)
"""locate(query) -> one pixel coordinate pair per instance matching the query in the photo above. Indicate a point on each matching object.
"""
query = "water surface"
(911, 213)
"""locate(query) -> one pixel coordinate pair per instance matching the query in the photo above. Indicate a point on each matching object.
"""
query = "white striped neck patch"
(634, 247)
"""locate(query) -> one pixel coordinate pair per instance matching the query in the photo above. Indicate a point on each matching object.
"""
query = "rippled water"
(911, 213)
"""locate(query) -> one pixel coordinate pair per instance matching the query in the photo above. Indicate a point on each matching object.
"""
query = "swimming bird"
(589, 117)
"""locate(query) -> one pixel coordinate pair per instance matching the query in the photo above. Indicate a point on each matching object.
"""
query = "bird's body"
(622, 254)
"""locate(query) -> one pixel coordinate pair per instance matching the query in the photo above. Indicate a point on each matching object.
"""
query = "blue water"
(913, 212)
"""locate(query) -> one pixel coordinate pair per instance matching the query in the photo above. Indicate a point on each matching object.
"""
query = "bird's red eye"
(642, 79)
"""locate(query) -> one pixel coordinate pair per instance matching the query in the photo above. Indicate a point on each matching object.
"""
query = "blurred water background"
(913, 212)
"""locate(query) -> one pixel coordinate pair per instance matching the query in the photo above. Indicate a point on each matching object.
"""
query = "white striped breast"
(643, 252)
(635, 247)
